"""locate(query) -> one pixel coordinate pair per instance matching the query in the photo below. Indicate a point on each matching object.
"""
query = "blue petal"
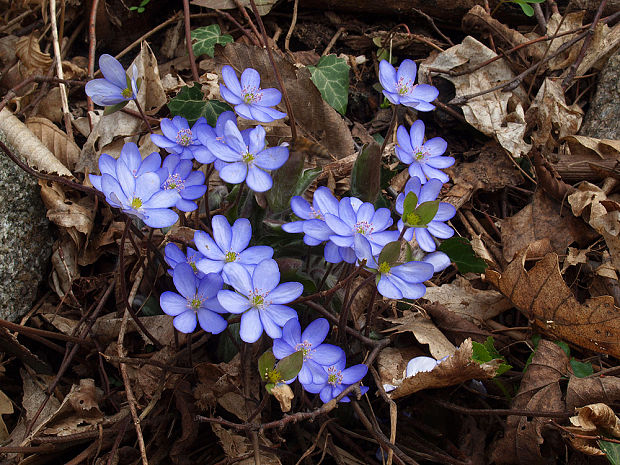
(272, 158)
(285, 292)
(281, 349)
(256, 254)
(231, 80)
(388, 289)
(280, 314)
(222, 232)
(160, 217)
(172, 303)
(325, 200)
(207, 246)
(272, 329)
(234, 173)
(233, 302)
(113, 71)
(185, 322)
(316, 332)
(185, 280)
(327, 354)
(354, 374)
(439, 260)
(211, 322)
(103, 93)
(425, 240)
(251, 326)
(239, 278)
(266, 276)
(258, 180)
(387, 76)
(291, 332)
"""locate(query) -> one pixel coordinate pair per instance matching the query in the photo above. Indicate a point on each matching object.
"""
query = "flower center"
(192, 263)
(421, 154)
(363, 227)
(306, 349)
(274, 376)
(384, 268)
(184, 137)
(334, 376)
(316, 214)
(196, 302)
(257, 299)
(251, 94)
(248, 157)
(230, 257)
(174, 181)
(413, 219)
(136, 203)
(127, 93)
(404, 87)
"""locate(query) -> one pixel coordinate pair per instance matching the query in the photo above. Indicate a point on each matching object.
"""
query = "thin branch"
(188, 42)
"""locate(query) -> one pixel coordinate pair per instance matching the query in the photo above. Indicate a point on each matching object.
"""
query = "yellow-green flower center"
(136, 203)
(421, 154)
(274, 376)
(258, 301)
(248, 157)
(230, 257)
(384, 268)
(334, 376)
(184, 137)
(127, 93)
(195, 303)
(413, 219)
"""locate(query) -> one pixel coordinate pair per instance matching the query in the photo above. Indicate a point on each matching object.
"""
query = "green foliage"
(390, 253)
(422, 215)
(612, 451)
(462, 254)
(289, 180)
(410, 204)
(581, 369)
(265, 364)
(205, 39)
(189, 104)
(524, 4)
(486, 352)
(140, 8)
(331, 77)
(366, 173)
(285, 369)
(114, 108)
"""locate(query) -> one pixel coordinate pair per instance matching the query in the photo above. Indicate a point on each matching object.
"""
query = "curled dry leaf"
(489, 113)
(543, 296)
(6, 407)
(65, 267)
(453, 325)
(593, 420)
(25, 142)
(424, 331)
(587, 158)
(543, 227)
(56, 141)
(284, 394)
(539, 391)
(29, 53)
(236, 446)
(476, 305)
(457, 368)
(74, 216)
(584, 391)
(151, 94)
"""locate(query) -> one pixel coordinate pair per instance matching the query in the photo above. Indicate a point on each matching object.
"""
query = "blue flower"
(180, 139)
(399, 87)
(208, 136)
(177, 175)
(338, 379)
(260, 298)
(196, 300)
(313, 216)
(174, 255)
(229, 245)
(132, 186)
(357, 217)
(250, 101)
(246, 158)
(436, 227)
(115, 87)
(424, 159)
(310, 342)
(439, 260)
(395, 282)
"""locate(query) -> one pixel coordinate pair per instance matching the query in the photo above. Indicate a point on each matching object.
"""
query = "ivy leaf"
(331, 77)
(289, 366)
(206, 38)
(265, 364)
(462, 254)
(189, 104)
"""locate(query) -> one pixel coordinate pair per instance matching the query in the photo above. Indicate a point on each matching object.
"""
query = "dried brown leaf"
(65, 267)
(457, 368)
(29, 53)
(283, 394)
(539, 391)
(596, 418)
(584, 391)
(235, 446)
(67, 213)
(543, 296)
(56, 141)
(263, 6)
(151, 94)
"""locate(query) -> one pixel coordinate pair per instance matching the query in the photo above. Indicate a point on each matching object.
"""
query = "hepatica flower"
(136, 190)
(196, 301)
(424, 159)
(260, 298)
(357, 217)
(208, 136)
(250, 101)
(399, 87)
(177, 175)
(246, 157)
(115, 87)
(395, 281)
(434, 228)
(310, 342)
(229, 245)
(180, 139)
(174, 255)
(312, 221)
(338, 379)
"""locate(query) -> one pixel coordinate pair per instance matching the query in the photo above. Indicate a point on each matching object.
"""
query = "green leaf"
(426, 212)
(564, 346)
(527, 10)
(265, 364)
(269, 387)
(461, 253)
(486, 352)
(581, 369)
(480, 353)
(331, 77)
(285, 180)
(612, 451)
(206, 38)
(306, 178)
(114, 108)
(410, 204)
(289, 366)
(366, 173)
(189, 104)
(390, 253)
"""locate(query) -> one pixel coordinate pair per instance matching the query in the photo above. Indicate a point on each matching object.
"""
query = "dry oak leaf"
(457, 368)
(56, 141)
(539, 390)
(543, 296)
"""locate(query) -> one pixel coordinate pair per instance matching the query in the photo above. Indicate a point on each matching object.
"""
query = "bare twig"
(139, 40)
(63, 90)
(92, 45)
(188, 41)
(287, 39)
(333, 40)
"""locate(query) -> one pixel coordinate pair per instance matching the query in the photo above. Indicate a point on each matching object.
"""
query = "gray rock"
(603, 117)
(25, 238)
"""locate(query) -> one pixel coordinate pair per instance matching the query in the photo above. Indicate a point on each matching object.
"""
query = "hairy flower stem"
(393, 124)
(143, 115)
(347, 306)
